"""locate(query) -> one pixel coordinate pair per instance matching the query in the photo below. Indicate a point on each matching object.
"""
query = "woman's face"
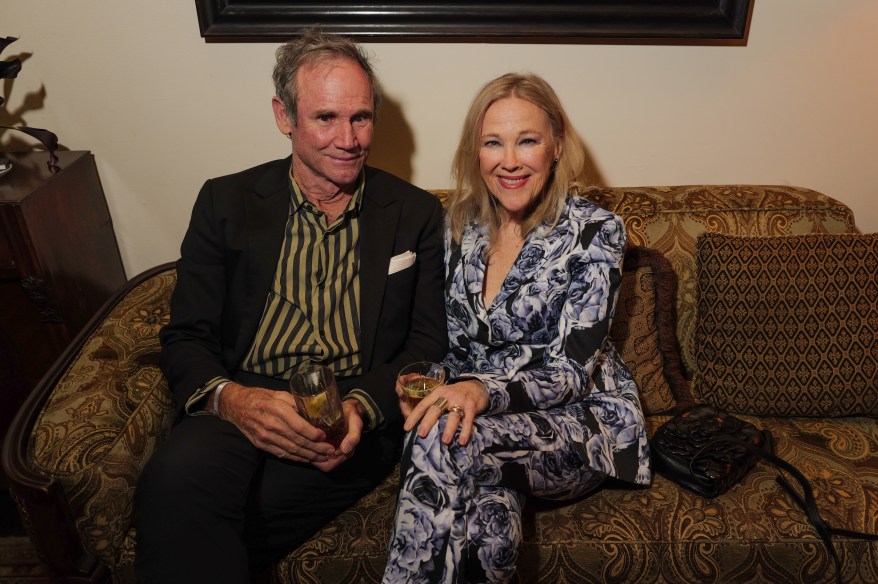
(516, 150)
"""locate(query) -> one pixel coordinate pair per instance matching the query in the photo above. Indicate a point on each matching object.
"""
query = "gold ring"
(440, 403)
(457, 410)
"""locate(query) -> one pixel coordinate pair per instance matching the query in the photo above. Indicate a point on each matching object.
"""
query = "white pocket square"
(401, 262)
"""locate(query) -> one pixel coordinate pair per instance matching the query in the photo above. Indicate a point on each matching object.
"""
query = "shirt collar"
(298, 200)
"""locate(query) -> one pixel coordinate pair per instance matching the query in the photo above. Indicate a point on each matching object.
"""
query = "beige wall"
(162, 110)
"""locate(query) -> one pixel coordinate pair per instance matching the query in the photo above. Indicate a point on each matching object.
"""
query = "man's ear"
(281, 118)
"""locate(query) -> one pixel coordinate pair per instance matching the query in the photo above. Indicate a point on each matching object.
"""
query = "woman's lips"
(512, 182)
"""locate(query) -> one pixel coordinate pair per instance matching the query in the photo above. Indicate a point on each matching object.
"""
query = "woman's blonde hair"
(471, 200)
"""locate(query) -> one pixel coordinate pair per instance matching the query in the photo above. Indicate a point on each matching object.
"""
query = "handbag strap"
(805, 501)
(809, 506)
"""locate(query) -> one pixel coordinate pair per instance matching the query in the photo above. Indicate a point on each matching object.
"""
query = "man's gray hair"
(313, 47)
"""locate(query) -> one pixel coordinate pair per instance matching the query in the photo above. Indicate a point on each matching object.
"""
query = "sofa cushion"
(643, 330)
(788, 325)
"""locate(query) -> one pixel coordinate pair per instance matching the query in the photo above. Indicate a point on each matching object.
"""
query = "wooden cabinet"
(59, 262)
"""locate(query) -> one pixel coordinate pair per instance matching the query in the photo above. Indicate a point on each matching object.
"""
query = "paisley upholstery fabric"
(643, 330)
(111, 409)
(788, 325)
(106, 417)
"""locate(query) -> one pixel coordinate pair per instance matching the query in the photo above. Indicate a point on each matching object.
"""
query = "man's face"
(334, 125)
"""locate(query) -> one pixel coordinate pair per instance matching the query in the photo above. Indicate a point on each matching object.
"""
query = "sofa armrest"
(76, 448)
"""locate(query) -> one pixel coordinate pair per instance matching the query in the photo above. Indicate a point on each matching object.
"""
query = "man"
(313, 258)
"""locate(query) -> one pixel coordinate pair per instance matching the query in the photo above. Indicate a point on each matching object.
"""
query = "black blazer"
(227, 265)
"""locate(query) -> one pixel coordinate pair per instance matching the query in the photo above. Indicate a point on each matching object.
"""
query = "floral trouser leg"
(458, 519)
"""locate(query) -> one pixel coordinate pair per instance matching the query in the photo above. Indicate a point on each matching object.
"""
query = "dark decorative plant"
(9, 70)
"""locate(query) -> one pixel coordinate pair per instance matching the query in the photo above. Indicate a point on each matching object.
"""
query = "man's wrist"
(214, 401)
(201, 402)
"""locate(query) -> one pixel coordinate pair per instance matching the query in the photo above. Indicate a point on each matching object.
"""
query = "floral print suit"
(563, 410)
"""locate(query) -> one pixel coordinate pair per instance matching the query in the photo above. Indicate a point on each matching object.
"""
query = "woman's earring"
(554, 163)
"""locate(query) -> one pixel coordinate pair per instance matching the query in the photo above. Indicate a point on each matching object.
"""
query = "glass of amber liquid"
(316, 393)
(419, 379)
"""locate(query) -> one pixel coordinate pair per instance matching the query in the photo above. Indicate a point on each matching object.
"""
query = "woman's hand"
(464, 400)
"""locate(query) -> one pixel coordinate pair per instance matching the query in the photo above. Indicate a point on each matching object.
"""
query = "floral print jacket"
(543, 343)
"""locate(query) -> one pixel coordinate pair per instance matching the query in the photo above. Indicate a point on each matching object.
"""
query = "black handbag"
(707, 450)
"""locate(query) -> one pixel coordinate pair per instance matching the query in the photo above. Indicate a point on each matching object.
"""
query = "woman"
(539, 401)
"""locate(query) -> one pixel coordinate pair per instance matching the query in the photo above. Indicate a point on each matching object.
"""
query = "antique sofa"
(78, 445)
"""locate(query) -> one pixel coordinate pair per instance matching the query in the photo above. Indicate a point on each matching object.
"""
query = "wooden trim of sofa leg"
(42, 504)
(67, 562)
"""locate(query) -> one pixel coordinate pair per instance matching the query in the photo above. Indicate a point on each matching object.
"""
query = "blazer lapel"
(378, 224)
(267, 211)
(472, 248)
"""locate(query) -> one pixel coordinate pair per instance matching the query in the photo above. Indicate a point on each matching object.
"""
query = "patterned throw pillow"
(788, 325)
(643, 330)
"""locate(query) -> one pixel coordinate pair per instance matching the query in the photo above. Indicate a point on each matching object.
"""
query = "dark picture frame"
(609, 21)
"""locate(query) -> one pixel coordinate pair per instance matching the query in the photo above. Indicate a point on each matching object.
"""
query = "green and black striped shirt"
(312, 309)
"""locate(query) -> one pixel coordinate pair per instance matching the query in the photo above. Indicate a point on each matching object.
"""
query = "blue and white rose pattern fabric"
(563, 411)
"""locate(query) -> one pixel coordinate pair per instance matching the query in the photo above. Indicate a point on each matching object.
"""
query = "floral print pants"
(458, 518)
